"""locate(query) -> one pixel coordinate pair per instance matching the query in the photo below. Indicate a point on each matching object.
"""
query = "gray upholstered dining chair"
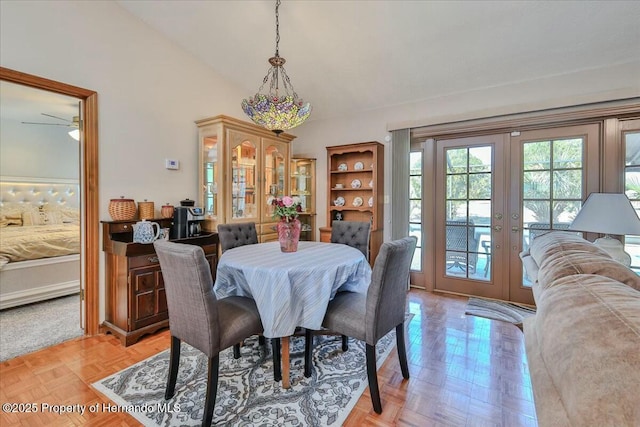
(197, 317)
(234, 235)
(369, 317)
(352, 233)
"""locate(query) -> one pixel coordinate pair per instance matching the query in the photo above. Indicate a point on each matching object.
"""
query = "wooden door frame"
(89, 184)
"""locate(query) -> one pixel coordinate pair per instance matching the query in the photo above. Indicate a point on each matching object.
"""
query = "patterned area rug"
(247, 394)
(499, 310)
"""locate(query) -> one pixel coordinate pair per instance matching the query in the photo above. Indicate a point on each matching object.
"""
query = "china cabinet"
(355, 189)
(303, 185)
(135, 298)
(241, 165)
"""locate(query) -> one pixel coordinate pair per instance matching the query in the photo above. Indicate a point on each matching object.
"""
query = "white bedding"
(38, 241)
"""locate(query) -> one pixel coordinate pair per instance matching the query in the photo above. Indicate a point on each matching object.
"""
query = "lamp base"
(615, 249)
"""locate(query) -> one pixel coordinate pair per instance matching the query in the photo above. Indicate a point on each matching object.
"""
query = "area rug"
(499, 310)
(247, 394)
(36, 326)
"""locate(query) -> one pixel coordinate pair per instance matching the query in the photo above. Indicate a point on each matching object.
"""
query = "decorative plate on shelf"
(357, 202)
(370, 202)
(358, 166)
(342, 167)
(356, 183)
(371, 184)
(339, 201)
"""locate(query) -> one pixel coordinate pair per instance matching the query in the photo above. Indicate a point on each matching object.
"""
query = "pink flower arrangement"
(286, 208)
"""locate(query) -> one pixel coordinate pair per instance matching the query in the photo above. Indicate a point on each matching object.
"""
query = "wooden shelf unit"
(359, 169)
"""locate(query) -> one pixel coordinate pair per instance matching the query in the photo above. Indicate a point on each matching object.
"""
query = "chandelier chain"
(277, 27)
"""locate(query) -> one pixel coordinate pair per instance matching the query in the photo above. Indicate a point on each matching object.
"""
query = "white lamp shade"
(607, 213)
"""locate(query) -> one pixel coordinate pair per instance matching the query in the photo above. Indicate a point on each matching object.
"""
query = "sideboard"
(136, 303)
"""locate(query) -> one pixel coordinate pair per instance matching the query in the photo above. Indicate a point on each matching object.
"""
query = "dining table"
(291, 289)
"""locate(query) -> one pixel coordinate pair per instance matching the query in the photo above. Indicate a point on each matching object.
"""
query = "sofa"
(583, 344)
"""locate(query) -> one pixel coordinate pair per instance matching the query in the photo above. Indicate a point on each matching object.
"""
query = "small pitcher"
(143, 231)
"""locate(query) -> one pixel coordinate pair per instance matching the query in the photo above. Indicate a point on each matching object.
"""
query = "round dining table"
(291, 289)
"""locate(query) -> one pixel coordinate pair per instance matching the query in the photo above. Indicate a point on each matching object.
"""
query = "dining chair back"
(353, 233)
(234, 235)
(197, 317)
(369, 317)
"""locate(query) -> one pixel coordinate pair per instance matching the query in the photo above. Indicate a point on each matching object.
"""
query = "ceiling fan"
(73, 123)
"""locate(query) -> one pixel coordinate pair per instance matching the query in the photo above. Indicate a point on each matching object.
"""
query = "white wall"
(38, 151)
(150, 92)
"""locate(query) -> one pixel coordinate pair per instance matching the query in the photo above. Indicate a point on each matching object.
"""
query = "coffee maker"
(187, 222)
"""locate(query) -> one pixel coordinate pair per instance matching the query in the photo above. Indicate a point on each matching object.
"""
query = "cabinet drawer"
(124, 227)
(267, 228)
(143, 261)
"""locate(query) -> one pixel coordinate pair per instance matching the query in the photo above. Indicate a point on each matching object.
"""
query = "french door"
(495, 193)
(469, 215)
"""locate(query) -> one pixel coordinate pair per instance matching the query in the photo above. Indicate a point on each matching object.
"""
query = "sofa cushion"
(587, 328)
(580, 261)
(559, 241)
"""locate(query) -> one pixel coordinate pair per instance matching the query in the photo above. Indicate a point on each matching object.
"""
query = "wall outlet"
(171, 164)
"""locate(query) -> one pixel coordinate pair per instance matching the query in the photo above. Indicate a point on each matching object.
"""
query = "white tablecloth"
(291, 289)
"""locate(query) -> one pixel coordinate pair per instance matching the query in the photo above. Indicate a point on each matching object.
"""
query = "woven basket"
(122, 209)
(146, 210)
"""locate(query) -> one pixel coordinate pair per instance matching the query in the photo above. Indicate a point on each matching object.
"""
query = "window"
(415, 206)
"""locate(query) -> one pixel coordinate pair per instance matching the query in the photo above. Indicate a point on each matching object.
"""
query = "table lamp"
(608, 213)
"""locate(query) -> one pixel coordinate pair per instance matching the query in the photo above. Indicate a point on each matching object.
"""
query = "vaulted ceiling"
(351, 56)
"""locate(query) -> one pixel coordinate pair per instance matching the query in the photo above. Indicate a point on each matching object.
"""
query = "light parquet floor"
(465, 371)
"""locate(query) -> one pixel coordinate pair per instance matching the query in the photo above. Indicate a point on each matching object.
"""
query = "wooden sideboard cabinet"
(136, 303)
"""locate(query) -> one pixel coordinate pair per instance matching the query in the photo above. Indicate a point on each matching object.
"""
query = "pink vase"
(289, 235)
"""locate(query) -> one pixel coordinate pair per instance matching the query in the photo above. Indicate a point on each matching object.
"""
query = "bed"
(40, 241)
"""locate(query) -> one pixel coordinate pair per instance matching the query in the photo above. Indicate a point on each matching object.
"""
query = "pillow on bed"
(12, 210)
(40, 217)
(7, 221)
(69, 215)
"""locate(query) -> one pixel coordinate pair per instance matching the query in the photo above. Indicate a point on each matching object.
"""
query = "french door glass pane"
(468, 194)
(553, 177)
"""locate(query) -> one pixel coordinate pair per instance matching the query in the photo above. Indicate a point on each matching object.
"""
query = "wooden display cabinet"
(241, 165)
(136, 302)
(355, 189)
(303, 185)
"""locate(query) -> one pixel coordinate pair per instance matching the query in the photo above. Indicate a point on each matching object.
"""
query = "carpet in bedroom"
(32, 327)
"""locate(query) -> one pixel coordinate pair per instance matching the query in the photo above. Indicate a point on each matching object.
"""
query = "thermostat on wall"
(171, 164)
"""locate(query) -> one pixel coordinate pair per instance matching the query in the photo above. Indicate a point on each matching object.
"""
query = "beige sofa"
(583, 344)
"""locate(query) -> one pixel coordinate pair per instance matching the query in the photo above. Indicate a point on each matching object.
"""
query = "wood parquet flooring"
(465, 371)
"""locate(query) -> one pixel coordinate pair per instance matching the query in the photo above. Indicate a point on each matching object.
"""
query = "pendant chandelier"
(279, 109)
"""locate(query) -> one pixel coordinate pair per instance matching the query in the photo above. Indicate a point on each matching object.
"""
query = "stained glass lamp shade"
(280, 108)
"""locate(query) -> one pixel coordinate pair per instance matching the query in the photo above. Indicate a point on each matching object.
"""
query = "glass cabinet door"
(302, 180)
(302, 184)
(243, 180)
(211, 176)
(275, 169)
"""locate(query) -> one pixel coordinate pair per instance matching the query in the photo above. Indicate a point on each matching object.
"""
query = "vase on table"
(289, 235)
